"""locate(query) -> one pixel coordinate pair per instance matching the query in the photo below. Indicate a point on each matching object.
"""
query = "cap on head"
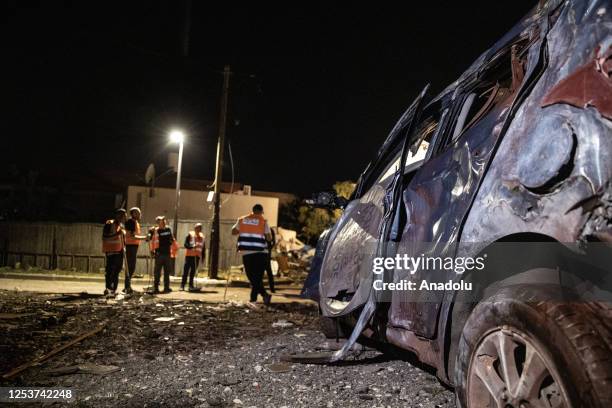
(198, 224)
(160, 218)
(135, 209)
(119, 211)
(257, 208)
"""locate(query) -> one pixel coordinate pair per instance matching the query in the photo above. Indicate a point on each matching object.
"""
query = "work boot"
(167, 290)
(106, 292)
(192, 288)
(267, 298)
(155, 291)
(182, 288)
(128, 291)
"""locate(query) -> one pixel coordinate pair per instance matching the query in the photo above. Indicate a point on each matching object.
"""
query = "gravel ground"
(205, 355)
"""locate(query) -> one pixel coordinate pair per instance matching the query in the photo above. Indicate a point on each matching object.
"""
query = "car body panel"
(538, 162)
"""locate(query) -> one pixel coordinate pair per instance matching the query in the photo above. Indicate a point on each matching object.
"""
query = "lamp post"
(176, 136)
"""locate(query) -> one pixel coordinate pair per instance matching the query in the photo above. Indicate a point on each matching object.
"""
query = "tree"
(344, 188)
(314, 221)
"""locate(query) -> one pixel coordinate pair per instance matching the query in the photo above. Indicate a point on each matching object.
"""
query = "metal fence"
(78, 246)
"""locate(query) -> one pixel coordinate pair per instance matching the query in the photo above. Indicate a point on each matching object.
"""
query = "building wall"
(78, 246)
(194, 205)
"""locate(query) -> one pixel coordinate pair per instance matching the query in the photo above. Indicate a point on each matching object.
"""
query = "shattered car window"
(495, 85)
(419, 150)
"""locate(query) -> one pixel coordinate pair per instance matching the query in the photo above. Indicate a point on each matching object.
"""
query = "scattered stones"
(279, 367)
(364, 389)
(220, 357)
(282, 324)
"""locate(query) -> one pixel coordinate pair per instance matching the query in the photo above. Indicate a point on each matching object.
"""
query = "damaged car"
(510, 165)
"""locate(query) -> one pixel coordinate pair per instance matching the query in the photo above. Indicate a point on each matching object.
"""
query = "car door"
(438, 197)
(347, 265)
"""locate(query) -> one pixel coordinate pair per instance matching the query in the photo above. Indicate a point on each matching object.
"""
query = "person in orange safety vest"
(132, 241)
(164, 247)
(195, 250)
(113, 246)
(253, 235)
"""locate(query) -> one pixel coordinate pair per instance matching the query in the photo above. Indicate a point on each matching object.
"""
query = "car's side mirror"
(327, 199)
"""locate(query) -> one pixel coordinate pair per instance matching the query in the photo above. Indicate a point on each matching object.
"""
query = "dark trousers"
(162, 261)
(131, 252)
(269, 272)
(191, 265)
(254, 266)
(114, 264)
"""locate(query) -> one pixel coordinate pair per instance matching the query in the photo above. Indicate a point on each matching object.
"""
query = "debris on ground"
(282, 324)
(222, 355)
(85, 368)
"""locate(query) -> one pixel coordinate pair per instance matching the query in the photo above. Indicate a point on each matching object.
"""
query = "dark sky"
(317, 86)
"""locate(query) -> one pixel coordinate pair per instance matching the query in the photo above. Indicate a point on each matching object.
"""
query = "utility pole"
(213, 271)
(177, 201)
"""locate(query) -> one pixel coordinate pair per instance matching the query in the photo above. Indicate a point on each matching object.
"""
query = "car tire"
(534, 342)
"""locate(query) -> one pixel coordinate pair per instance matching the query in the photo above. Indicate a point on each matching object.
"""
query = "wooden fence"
(78, 246)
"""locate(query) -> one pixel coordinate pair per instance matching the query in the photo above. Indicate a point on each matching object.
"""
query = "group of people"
(121, 238)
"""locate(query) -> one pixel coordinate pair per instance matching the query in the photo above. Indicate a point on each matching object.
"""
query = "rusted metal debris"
(588, 85)
(53, 352)
(86, 368)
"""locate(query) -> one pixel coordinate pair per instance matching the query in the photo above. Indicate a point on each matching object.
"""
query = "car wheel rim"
(511, 370)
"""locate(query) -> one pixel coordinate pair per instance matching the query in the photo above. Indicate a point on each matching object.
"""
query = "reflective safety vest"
(197, 244)
(252, 233)
(112, 241)
(154, 244)
(174, 249)
(130, 237)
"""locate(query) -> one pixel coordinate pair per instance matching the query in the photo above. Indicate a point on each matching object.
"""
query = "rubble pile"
(162, 352)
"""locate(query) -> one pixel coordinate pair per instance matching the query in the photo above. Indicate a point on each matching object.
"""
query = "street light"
(176, 136)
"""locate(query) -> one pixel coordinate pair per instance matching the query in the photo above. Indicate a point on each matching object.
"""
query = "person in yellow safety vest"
(195, 250)
(132, 241)
(253, 235)
(113, 246)
(164, 247)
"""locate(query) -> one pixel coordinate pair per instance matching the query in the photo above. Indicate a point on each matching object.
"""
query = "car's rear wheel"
(510, 369)
(526, 348)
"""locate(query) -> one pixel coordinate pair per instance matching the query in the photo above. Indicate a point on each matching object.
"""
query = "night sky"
(92, 86)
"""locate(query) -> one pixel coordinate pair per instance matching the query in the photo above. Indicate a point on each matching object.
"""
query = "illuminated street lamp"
(176, 136)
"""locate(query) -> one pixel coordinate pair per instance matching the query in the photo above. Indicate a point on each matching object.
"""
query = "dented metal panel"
(536, 158)
(557, 150)
(588, 85)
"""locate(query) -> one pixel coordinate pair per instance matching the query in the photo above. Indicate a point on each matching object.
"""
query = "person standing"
(113, 246)
(271, 243)
(195, 246)
(253, 235)
(163, 245)
(132, 242)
